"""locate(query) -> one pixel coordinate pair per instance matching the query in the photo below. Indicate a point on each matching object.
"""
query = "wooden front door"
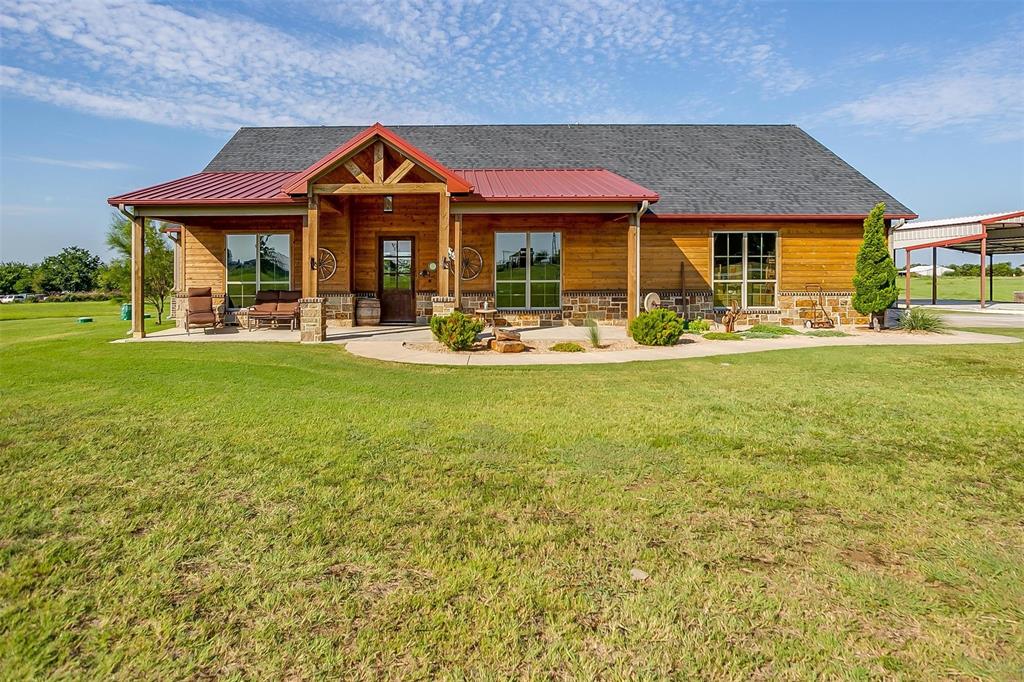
(396, 285)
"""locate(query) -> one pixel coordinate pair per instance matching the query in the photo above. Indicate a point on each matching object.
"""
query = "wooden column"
(457, 268)
(312, 245)
(632, 292)
(346, 227)
(305, 257)
(442, 244)
(138, 277)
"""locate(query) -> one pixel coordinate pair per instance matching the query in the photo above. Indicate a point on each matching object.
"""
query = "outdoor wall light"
(389, 203)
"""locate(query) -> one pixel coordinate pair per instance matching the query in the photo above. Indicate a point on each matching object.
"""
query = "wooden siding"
(204, 247)
(594, 248)
(415, 216)
(821, 253)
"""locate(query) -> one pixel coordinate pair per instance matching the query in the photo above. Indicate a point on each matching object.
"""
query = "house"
(926, 270)
(551, 224)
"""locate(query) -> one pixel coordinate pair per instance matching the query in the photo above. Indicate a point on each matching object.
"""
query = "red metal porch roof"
(214, 188)
(553, 184)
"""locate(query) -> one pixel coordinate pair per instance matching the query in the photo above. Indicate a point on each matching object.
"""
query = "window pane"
(546, 249)
(544, 295)
(726, 293)
(241, 295)
(510, 257)
(761, 295)
(275, 257)
(241, 257)
(511, 295)
(728, 256)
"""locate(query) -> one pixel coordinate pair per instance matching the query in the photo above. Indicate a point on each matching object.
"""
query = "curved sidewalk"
(395, 349)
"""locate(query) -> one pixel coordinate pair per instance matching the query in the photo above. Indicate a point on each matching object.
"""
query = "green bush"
(77, 296)
(760, 335)
(456, 331)
(567, 347)
(659, 327)
(773, 329)
(723, 336)
(698, 326)
(921, 320)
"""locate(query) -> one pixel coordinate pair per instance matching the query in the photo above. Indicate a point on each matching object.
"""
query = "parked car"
(7, 298)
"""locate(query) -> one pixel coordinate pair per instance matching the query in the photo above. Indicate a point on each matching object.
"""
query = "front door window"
(397, 280)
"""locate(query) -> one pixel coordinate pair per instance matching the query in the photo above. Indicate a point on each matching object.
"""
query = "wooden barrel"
(367, 312)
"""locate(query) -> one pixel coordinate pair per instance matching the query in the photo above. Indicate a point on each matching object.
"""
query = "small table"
(493, 314)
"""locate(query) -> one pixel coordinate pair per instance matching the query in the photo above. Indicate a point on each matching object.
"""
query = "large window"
(743, 269)
(528, 269)
(255, 262)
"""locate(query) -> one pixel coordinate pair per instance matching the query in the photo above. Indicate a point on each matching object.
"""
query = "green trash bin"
(126, 311)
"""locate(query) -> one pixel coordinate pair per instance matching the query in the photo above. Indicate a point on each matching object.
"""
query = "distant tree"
(16, 278)
(875, 280)
(158, 265)
(73, 269)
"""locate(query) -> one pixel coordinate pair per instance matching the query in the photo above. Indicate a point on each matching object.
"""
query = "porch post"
(906, 269)
(457, 266)
(991, 277)
(981, 298)
(935, 275)
(313, 241)
(632, 293)
(138, 277)
(442, 244)
(305, 257)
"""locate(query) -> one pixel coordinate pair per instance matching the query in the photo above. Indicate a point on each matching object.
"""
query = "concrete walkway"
(395, 349)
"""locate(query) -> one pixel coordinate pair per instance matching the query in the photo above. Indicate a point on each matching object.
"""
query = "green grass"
(35, 311)
(274, 510)
(723, 336)
(567, 347)
(825, 332)
(773, 329)
(962, 288)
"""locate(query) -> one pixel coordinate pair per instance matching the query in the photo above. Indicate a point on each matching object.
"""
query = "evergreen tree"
(874, 283)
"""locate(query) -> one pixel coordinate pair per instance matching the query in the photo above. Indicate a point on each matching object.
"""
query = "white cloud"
(980, 87)
(76, 163)
(404, 61)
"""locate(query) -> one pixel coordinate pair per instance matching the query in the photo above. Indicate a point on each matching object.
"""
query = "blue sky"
(103, 97)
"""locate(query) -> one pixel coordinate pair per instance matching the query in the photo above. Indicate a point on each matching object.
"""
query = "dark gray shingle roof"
(744, 169)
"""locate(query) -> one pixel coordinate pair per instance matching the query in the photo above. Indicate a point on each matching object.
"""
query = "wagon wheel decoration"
(326, 264)
(472, 263)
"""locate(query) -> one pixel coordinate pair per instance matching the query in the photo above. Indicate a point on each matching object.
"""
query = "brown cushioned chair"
(288, 308)
(200, 311)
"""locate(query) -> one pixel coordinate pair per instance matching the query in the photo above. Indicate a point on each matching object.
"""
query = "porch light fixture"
(389, 203)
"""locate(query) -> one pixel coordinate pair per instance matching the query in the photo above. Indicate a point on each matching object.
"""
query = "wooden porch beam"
(378, 162)
(400, 172)
(457, 267)
(356, 171)
(310, 244)
(442, 243)
(632, 294)
(138, 277)
(374, 188)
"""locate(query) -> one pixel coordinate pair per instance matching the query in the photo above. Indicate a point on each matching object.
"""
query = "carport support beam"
(935, 276)
(138, 277)
(983, 248)
(906, 268)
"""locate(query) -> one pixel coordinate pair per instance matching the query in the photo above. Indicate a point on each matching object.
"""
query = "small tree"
(16, 278)
(874, 283)
(158, 263)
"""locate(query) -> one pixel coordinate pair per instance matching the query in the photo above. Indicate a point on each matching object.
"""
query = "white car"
(7, 298)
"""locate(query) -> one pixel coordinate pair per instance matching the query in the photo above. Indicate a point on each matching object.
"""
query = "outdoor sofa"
(274, 308)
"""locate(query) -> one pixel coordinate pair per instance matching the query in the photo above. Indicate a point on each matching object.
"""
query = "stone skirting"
(312, 320)
(339, 308)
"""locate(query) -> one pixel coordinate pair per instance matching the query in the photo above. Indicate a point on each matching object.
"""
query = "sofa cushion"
(200, 291)
(266, 297)
(202, 318)
(287, 308)
(289, 296)
(267, 307)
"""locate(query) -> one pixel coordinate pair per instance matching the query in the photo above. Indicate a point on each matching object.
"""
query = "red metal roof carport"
(997, 233)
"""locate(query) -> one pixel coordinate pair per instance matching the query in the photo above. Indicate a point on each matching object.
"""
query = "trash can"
(126, 311)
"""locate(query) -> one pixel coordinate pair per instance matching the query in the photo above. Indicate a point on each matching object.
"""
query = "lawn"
(962, 288)
(274, 510)
(33, 311)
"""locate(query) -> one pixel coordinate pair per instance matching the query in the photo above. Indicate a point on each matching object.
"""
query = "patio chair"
(288, 308)
(200, 311)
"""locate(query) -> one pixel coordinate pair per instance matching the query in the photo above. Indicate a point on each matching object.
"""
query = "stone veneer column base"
(312, 320)
(439, 305)
(340, 308)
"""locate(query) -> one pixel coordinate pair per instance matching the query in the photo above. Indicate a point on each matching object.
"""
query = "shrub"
(456, 331)
(825, 332)
(698, 326)
(659, 327)
(921, 320)
(723, 336)
(875, 280)
(567, 347)
(760, 335)
(593, 332)
(772, 329)
(76, 296)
